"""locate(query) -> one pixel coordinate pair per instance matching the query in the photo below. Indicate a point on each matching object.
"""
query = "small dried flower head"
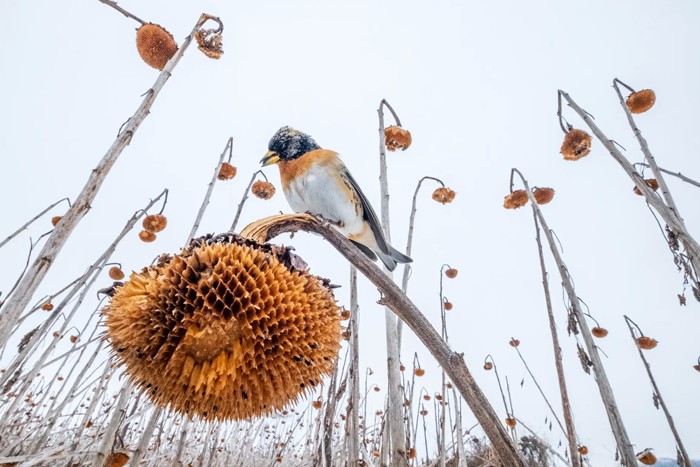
(155, 223)
(514, 342)
(583, 450)
(48, 306)
(116, 459)
(646, 343)
(426, 397)
(55, 334)
(115, 273)
(377, 389)
(444, 195)
(424, 412)
(147, 236)
(646, 457)
(227, 171)
(73, 339)
(55, 220)
(263, 190)
(451, 273)
(345, 315)
(438, 397)
(209, 42)
(543, 195)
(651, 182)
(378, 413)
(412, 453)
(345, 335)
(599, 332)
(511, 422)
(397, 138)
(449, 385)
(419, 372)
(402, 367)
(448, 306)
(516, 199)
(577, 144)
(155, 45)
(278, 458)
(317, 404)
(641, 101)
(488, 366)
(229, 329)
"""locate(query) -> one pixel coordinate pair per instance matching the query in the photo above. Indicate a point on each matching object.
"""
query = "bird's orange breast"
(289, 170)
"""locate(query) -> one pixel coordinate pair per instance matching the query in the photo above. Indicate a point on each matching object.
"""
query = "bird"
(315, 180)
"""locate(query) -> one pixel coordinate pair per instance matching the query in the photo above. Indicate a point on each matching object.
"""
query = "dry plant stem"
(146, 437)
(352, 425)
(13, 308)
(657, 396)
(177, 460)
(30, 221)
(227, 150)
(394, 415)
(243, 200)
(108, 437)
(673, 174)
(563, 391)
(458, 427)
(547, 445)
(409, 246)
(669, 216)
(122, 10)
(443, 333)
(405, 309)
(328, 419)
(617, 426)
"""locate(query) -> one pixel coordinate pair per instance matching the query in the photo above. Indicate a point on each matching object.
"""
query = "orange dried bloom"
(345, 314)
(577, 144)
(227, 330)
(155, 223)
(155, 45)
(48, 306)
(599, 332)
(448, 306)
(543, 195)
(378, 413)
(426, 397)
(444, 195)
(397, 138)
(74, 339)
(651, 182)
(646, 343)
(583, 450)
(147, 236)
(646, 457)
(402, 367)
(227, 171)
(424, 412)
(419, 372)
(511, 422)
(488, 366)
(115, 273)
(263, 190)
(412, 453)
(451, 273)
(641, 101)
(377, 389)
(55, 334)
(55, 220)
(514, 342)
(516, 199)
(345, 335)
(317, 404)
(210, 43)
(116, 459)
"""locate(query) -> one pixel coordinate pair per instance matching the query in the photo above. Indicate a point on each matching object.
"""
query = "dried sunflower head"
(577, 144)
(646, 457)
(55, 220)
(228, 329)
(209, 42)
(514, 342)
(147, 236)
(516, 199)
(451, 273)
(155, 45)
(154, 223)
(488, 366)
(47, 306)
(599, 332)
(448, 306)
(116, 459)
(646, 343)
(227, 171)
(444, 195)
(583, 450)
(511, 422)
(397, 138)
(651, 182)
(419, 372)
(543, 195)
(115, 273)
(641, 101)
(263, 190)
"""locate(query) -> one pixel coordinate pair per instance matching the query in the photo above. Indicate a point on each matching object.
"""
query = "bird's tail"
(394, 256)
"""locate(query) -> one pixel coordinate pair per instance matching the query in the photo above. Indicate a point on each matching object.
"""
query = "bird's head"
(288, 144)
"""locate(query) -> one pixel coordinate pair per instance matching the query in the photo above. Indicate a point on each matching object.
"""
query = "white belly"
(319, 195)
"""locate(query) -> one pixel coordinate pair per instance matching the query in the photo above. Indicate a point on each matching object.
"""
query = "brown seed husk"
(543, 195)
(115, 273)
(577, 144)
(516, 199)
(147, 236)
(651, 182)
(227, 171)
(397, 138)
(155, 223)
(599, 332)
(444, 195)
(646, 343)
(263, 190)
(116, 459)
(155, 45)
(227, 330)
(641, 101)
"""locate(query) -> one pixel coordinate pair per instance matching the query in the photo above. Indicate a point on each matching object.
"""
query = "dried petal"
(444, 195)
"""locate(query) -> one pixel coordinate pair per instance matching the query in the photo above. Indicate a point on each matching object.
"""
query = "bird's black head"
(288, 144)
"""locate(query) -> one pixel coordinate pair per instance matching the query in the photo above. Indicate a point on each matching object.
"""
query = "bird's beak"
(271, 157)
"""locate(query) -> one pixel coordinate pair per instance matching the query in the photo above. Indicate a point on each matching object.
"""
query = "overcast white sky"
(475, 83)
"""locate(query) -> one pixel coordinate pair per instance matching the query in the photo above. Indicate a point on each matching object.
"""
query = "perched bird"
(316, 181)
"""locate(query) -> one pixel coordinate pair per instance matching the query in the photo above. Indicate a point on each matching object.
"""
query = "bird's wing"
(368, 213)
